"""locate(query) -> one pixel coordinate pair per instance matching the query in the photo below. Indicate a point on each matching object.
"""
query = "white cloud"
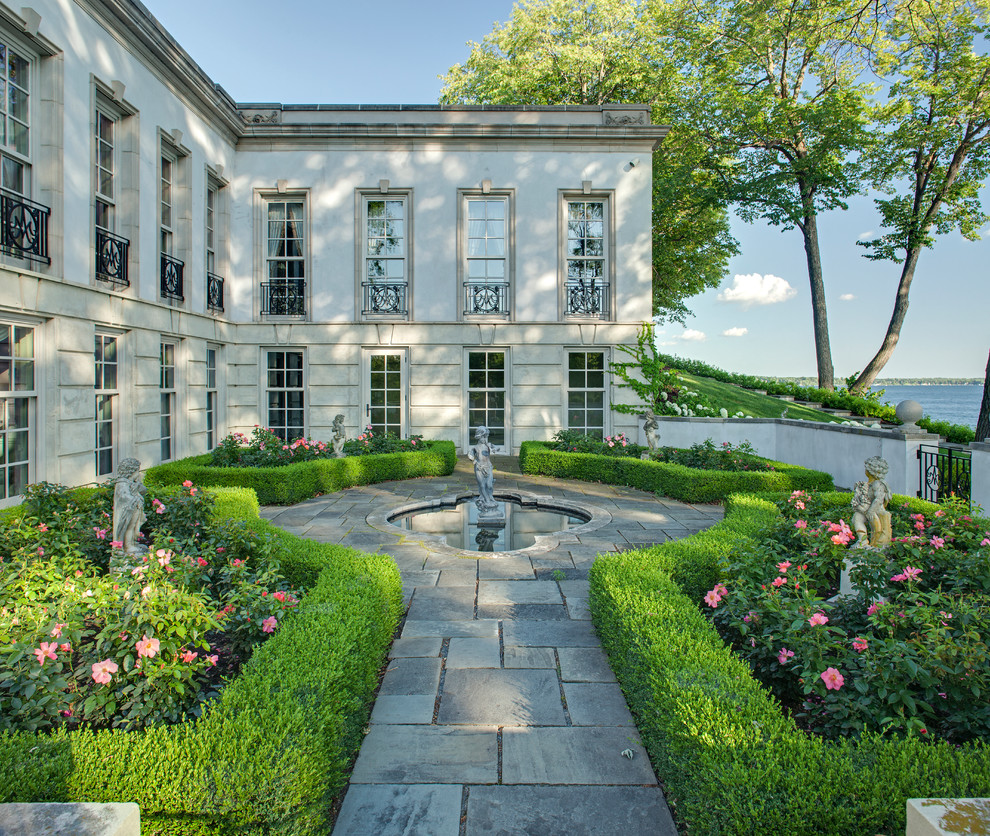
(736, 332)
(754, 289)
(847, 297)
(694, 336)
(866, 236)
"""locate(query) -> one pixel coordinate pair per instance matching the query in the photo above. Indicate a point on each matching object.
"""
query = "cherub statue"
(128, 506)
(484, 471)
(651, 426)
(339, 436)
(871, 519)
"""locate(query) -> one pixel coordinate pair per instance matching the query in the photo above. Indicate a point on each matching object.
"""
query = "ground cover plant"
(731, 760)
(272, 752)
(87, 639)
(905, 655)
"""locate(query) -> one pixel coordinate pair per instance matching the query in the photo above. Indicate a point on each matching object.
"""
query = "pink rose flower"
(46, 651)
(65, 647)
(937, 542)
(712, 599)
(212, 660)
(911, 572)
(279, 596)
(201, 561)
(833, 679)
(102, 671)
(799, 504)
(778, 582)
(818, 619)
(269, 624)
(783, 566)
(187, 484)
(188, 656)
(57, 631)
(801, 524)
(147, 647)
(785, 655)
(859, 645)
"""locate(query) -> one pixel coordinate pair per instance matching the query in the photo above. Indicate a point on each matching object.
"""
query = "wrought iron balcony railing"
(385, 298)
(214, 292)
(283, 297)
(24, 231)
(111, 258)
(587, 297)
(171, 278)
(491, 299)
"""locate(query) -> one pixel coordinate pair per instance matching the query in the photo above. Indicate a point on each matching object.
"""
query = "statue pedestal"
(491, 516)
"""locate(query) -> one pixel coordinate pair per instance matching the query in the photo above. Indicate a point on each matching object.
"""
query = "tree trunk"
(983, 422)
(819, 313)
(901, 302)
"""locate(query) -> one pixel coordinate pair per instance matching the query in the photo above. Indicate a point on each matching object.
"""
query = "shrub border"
(676, 481)
(729, 758)
(273, 752)
(302, 480)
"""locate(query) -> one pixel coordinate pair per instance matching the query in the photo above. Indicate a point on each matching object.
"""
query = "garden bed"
(271, 752)
(291, 483)
(666, 478)
(730, 759)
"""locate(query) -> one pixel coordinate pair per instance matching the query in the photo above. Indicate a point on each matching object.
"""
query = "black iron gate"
(944, 472)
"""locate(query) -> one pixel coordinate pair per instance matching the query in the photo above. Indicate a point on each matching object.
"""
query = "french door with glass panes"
(385, 391)
(486, 386)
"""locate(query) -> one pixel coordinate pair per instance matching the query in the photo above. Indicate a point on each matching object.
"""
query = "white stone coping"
(78, 819)
(945, 816)
(597, 517)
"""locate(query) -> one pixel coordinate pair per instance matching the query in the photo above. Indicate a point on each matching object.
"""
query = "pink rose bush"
(906, 652)
(92, 637)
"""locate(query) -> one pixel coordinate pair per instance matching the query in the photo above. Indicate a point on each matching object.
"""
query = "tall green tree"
(932, 153)
(594, 52)
(783, 99)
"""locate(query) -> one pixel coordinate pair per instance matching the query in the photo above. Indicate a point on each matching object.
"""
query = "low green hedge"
(296, 482)
(272, 753)
(729, 758)
(676, 481)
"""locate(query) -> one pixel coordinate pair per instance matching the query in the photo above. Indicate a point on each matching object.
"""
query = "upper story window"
(587, 257)
(173, 230)
(115, 204)
(486, 258)
(23, 223)
(385, 237)
(284, 287)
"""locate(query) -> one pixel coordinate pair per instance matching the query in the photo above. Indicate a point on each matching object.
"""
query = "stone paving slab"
(404, 709)
(550, 634)
(392, 754)
(400, 809)
(529, 657)
(473, 653)
(508, 567)
(442, 603)
(574, 755)
(426, 646)
(584, 664)
(578, 608)
(501, 697)
(477, 629)
(518, 592)
(523, 612)
(597, 704)
(411, 675)
(568, 811)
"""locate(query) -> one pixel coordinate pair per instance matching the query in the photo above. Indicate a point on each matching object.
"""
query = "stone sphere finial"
(909, 413)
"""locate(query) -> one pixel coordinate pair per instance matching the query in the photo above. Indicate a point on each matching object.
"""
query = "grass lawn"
(734, 399)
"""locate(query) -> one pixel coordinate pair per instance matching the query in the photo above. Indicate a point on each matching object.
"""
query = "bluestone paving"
(495, 653)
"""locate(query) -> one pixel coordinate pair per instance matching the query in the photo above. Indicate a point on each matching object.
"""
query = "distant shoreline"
(900, 381)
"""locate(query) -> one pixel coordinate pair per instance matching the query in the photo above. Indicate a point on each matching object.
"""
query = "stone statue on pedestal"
(651, 426)
(871, 519)
(128, 507)
(484, 472)
(339, 436)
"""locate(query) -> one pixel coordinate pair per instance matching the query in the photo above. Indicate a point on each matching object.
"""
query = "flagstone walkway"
(498, 713)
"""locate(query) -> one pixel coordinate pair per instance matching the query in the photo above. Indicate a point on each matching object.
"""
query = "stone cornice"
(136, 28)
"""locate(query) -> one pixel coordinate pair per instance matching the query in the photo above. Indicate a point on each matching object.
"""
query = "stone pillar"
(980, 490)
(901, 452)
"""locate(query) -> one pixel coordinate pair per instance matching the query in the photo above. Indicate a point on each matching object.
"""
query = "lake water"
(955, 404)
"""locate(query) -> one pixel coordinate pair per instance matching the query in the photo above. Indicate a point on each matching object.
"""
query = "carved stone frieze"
(619, 118)
(261, 117)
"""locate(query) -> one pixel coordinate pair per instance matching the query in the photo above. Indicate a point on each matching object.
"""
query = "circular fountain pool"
(529, 523)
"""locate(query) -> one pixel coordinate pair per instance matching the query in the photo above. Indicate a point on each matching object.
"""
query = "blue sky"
(758, 321)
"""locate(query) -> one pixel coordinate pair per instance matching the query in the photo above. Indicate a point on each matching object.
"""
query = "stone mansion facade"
(176, 266)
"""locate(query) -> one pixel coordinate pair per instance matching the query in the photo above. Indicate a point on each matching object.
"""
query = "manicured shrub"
(668, 479)
(731, 761)
(270, 755)
(292, 483)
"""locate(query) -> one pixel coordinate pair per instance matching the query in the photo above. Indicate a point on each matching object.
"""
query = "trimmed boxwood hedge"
(729, 758)
(272, 753)
(296, 482)
(674, 480)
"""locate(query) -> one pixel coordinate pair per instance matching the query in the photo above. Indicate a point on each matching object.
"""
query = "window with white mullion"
(487, 394)
(105, 367)
(486, 250)
(586, 392)
(167, 213)
(166, 387)
(211, 225)
(586, 240)
(17, 408)
(286, 395)
(15, 156)
(285, 254)
(211, 396)
(385, 234)
(105, 197)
